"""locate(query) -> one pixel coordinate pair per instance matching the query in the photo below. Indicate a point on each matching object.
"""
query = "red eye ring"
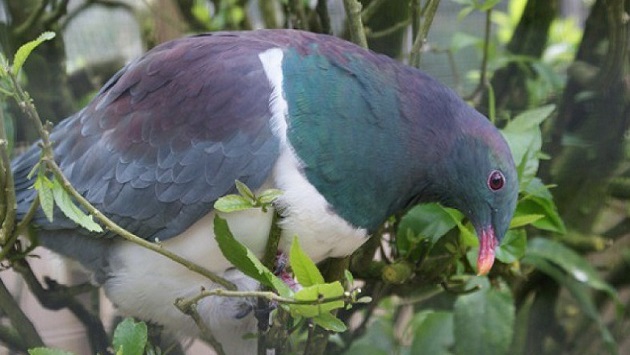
(496, 180)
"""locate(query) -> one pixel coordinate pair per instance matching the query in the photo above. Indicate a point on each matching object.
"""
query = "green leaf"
(303, 267)
(487, 4)
(530, 119)
(48, 351)
(429, 220)
(25, 50)
(468, 238)
(464, 12)
(233, 203)
(521, 221)
(245, 191)
(512, 246)
(330, 322)
(349, 277)
(317, 293)
(71, 210)
(524, 137)
(130, 338)
(433, 333)
(44, 186)
(3, 67)
(569, 261)
(241, 257)
(268, 196)
(483, 320)
(378, 340)
(538, 200)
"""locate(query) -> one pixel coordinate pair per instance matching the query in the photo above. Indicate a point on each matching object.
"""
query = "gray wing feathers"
(166, 137)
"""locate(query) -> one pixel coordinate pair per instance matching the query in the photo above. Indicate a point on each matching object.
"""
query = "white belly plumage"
(145, 284)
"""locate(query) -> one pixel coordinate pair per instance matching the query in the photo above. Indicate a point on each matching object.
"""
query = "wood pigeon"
(350, 136)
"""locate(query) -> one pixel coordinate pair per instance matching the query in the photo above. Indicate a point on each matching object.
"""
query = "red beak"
(487, 243)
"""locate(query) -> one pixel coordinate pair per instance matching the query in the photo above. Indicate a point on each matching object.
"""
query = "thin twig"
(205, 330)
(371, 10)
(390, 30)
(268, 260)
(184, 304)
(423, 32)
(483, 79)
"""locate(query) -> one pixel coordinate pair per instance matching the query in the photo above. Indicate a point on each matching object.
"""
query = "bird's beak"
(487, 243)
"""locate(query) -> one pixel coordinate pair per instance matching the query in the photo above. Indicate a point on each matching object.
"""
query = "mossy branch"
(355, 23)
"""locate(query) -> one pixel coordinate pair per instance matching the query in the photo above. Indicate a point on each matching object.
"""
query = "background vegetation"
(558, 86)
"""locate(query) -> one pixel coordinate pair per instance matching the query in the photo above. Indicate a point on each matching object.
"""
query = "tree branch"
(184, 304)
(268, 13)
(324, 17)
(355, 23)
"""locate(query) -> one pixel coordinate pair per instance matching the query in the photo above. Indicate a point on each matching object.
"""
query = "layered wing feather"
(166, 136)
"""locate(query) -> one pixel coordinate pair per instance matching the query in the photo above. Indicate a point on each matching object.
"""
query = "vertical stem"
(271, 251)
(317, 336)
(423, 32)
(297, 14)
(7, 202)
(355, 24)
(483, 80)
(268, 12)
(415, 16)
(324, 16)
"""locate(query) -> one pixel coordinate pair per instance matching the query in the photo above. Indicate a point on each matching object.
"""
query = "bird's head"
(477, 176)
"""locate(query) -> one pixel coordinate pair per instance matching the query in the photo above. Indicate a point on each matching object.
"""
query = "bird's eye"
(496, 180)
